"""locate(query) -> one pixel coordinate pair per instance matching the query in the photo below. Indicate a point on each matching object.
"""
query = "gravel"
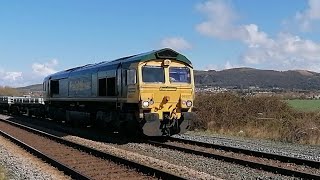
(176, 161)
(19, 164)
(309, 152)
(148, 160)
(211, 166)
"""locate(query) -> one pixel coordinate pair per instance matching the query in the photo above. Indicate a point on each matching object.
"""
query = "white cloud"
(227, 65)
(176, 43)
(220, 24)
(220, 18)
(20, 79)
(307, 17)
(285, 51)
(255, 38)
(211, 67)
(45, 68)
(10, 78)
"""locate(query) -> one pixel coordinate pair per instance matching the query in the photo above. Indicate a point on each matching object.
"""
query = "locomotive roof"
(165, 53)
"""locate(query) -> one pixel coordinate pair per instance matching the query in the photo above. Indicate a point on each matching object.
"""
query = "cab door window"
(131, 77)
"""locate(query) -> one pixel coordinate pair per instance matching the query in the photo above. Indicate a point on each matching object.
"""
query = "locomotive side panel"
(63, 87)
(79, 86)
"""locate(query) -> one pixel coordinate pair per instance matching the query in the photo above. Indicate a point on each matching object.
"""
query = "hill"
(35, 90)
(35, 87)
(245, 77)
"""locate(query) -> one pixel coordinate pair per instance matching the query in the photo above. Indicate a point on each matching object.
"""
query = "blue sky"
(41, 37)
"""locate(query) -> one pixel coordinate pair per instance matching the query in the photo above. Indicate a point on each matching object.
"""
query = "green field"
(305, 105)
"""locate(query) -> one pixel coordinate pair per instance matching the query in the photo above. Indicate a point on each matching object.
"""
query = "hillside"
(245, 77)
(35, 89)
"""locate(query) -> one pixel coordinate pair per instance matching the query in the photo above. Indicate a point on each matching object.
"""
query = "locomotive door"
(131, 82)
(119, 81)
(123, 82)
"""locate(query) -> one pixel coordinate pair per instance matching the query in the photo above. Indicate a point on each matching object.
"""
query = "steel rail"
(62, 167)
(286, 159)
(252, 164)
(161, 174)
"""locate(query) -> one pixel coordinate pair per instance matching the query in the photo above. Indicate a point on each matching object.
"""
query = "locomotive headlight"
(189, 103)
(145, 104)
(166, 62)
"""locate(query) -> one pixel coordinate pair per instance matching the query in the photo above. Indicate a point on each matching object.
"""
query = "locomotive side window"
(55, 87)
(153, 74)
(102, 87)
(131, 77)
(111, 86)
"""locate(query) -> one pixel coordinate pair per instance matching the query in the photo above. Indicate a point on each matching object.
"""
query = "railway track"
(268, 162)
(286, 159)
(274, 163)
(77, 161)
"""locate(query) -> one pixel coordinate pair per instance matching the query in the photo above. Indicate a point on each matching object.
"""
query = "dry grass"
(2, 173)
(7, 91)
(259, 117)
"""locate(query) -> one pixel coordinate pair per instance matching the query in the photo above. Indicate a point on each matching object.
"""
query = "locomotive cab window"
(153, 74)
(179, 75)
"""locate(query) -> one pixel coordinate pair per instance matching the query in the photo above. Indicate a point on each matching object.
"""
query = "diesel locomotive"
(152, 93)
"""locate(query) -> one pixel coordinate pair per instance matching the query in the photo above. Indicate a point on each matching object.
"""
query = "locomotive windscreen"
(179, 75)
(153, 74)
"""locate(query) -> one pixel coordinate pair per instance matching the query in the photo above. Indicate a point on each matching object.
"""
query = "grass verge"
(256, 117)
(3, 175)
